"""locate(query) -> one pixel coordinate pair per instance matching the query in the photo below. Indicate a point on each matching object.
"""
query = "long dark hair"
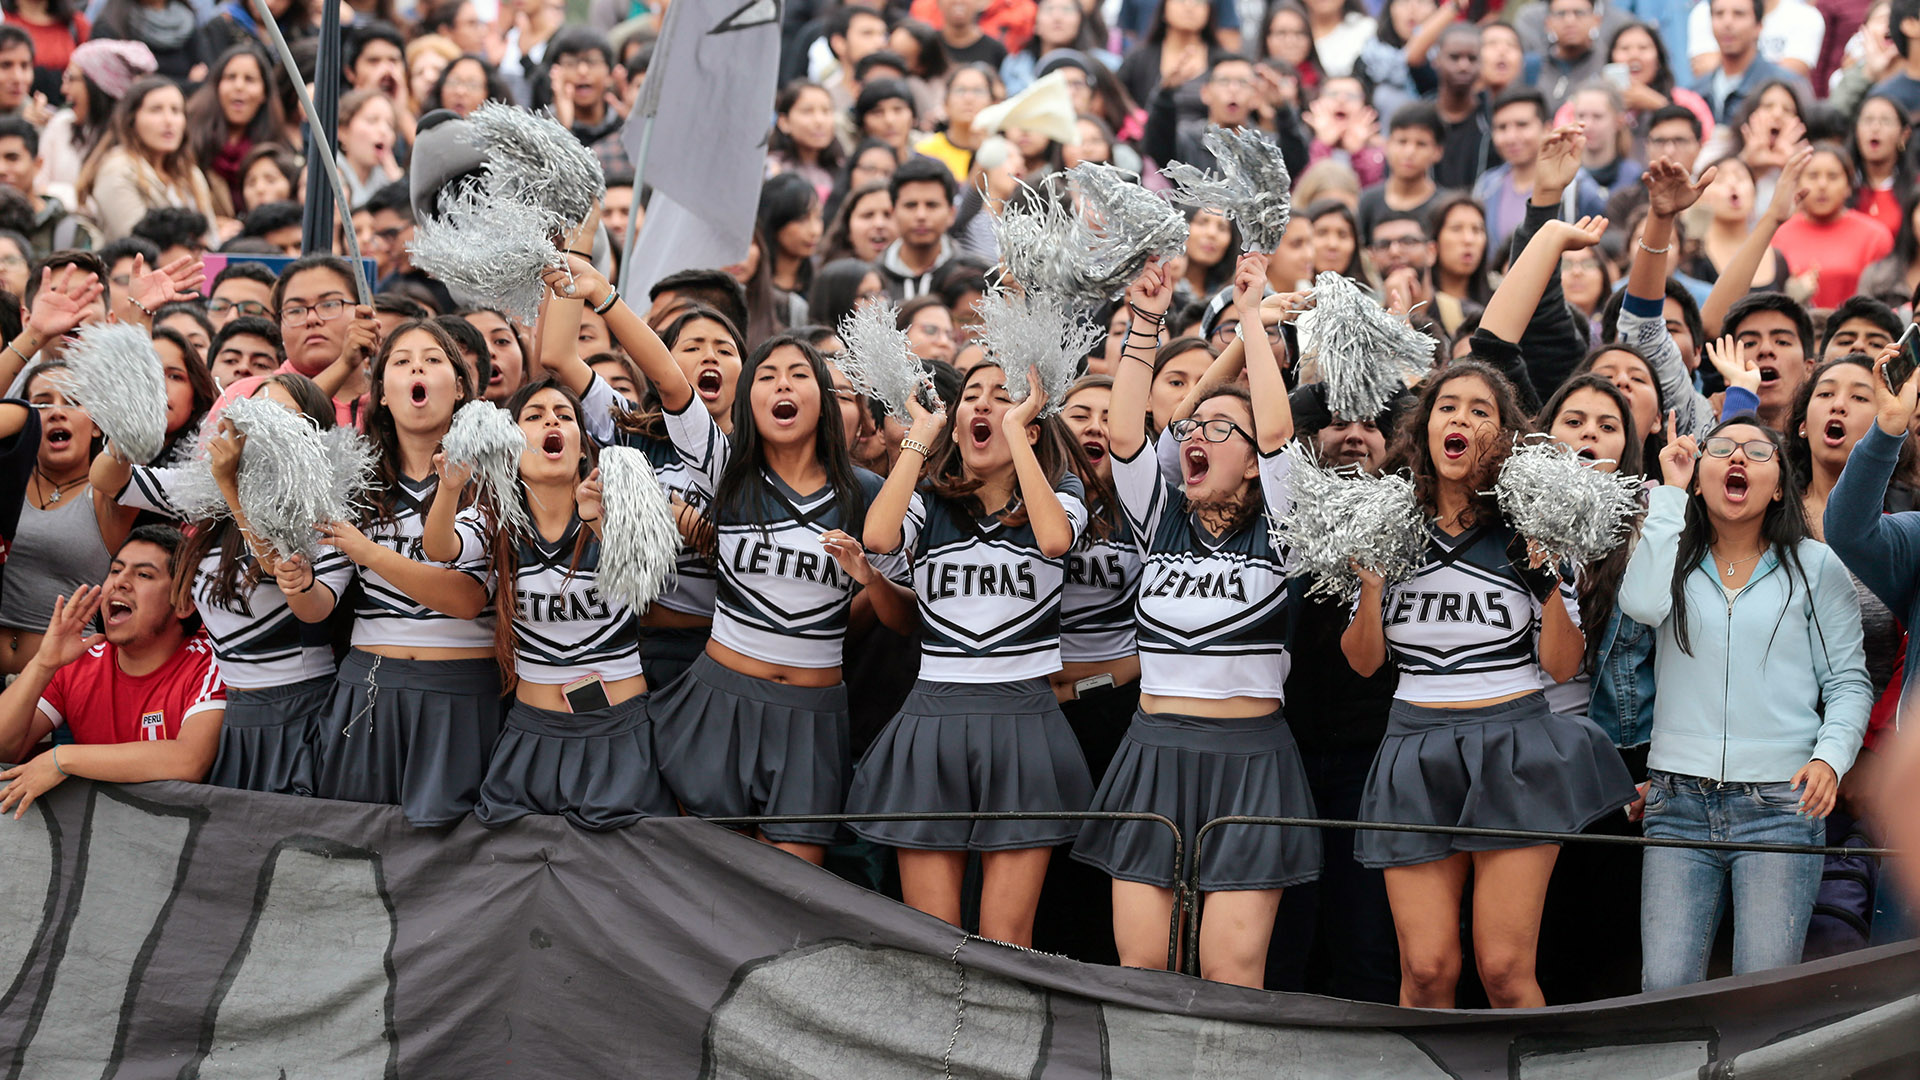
(1479, 290)
(779, 142)
(1599, 582)
(945, 474)
(1210, 33)
(207, 130)
(1903, 173)
(497, 89)
(1799, 444)
(1662, 83)
(88, 129)
(1410, 450)
(236, 573)
(381, 502)
(1086, 39)
(742, 493)
(1783, 527)
(1752, 105)
(836, 291)
(199, 377)
(649, 421)
(506, 543)
(1355, 270)
(177, 167)
(1651, 442)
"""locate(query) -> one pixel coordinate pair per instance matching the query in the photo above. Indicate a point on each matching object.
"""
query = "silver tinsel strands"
(1364, 353)
(879, 359)
(1035, 331)
(532, 159)
(290, 476)
(1564, 506)
(1090, 254)
(1252, 187)
(1343, 516)
(354, 463)
(115, 374)
(486, 439)
(638, 538)
(489, 248)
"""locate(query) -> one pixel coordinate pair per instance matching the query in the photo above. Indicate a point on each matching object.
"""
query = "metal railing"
(1184, 921)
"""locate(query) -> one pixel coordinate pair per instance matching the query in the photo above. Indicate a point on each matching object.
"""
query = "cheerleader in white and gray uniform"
(981, 730)
(759, 725)
(416, 705)
(674, 631)
(1470, 740)
(267, 625)
(1209, 739)
(577, 741)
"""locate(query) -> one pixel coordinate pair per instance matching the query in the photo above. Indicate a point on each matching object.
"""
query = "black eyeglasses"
(1757, 450)
(328, 310)
(1215, 431)
(221, 305)
(1225, 331)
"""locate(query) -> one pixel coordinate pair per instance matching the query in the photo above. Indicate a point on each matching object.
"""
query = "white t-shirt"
(1792, 31)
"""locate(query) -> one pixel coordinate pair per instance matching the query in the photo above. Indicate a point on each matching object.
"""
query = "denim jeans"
(1681, 888)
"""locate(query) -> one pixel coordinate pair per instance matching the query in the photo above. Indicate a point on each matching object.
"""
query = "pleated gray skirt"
(1516, 765)
(731, 745)
(594, 769)
(267, 736)
(1193, 769)
(666, 652)
(962, 747)
(416, 734)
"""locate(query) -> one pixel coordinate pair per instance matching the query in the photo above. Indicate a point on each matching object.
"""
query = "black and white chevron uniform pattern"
(1096, 604)
(563, 628)
(1465, 627)
(258, 640)
(385, 615)
(1212, 612)
(690, 590)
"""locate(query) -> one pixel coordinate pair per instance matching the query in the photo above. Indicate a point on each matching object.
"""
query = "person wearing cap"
(100, 71)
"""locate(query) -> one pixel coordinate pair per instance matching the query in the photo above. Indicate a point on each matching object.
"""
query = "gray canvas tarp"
(176, 931)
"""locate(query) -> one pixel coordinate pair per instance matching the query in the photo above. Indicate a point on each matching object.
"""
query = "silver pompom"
(1252, 187)
(1087, 254)
(1564, 507)
(878, 358)
(288, 476)
(1035, 331)
(115, 374)
(490, 247)
(639, 540)
(1128, 225)
(486, 439)
(1364, 353)
(1343, 516)
(354, 462)
(532, 159)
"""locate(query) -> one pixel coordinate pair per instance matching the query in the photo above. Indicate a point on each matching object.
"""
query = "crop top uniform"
(384, 615)
(1096, 602)
(563, 627)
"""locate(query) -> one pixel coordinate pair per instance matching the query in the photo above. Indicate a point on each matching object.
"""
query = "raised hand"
(363, 337)
(1677, 458)
(1576, 235)
(1787, 191)
(1669, 188)
(579, 281)
(178, 280)
(1249, 285)
(1729, 358)
(223, 453)
(1026, 412)
(1152, 291)
(1285, 307)
(1327, 124)
(1363, 129)
(1895, 407)
(67, 639)
(1559, 163)
(926, 424)
(454, 478)
(63, 303)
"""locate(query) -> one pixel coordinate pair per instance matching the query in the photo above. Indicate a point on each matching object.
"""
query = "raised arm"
(1147, 299)
(887, 516)
(1646, 590)
(1882, 550)
(1052, 528)
(1272, 412)
(1513, 303)
(1643, 321)
(22, 724)
(627, 328)
(1736, 278)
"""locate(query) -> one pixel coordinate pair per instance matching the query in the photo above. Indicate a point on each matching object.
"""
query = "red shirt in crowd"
(1841, 248)
(102, 704)
(53, 44)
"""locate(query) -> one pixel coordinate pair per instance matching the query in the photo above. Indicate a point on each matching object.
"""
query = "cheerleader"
(1209, 738)
(415, 706)
(707, 348)
(981, 731)
(759, 726)
(576, 741)
(266, 616)
(1470, 740)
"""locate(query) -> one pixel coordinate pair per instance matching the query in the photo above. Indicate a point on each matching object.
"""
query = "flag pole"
(320, 146)
(633, 217)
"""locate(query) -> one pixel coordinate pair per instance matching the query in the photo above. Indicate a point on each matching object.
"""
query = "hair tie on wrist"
(613, 297)
(582, 254)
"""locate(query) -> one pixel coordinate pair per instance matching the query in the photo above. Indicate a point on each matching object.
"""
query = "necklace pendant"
(1729, 571)
(55, 497)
